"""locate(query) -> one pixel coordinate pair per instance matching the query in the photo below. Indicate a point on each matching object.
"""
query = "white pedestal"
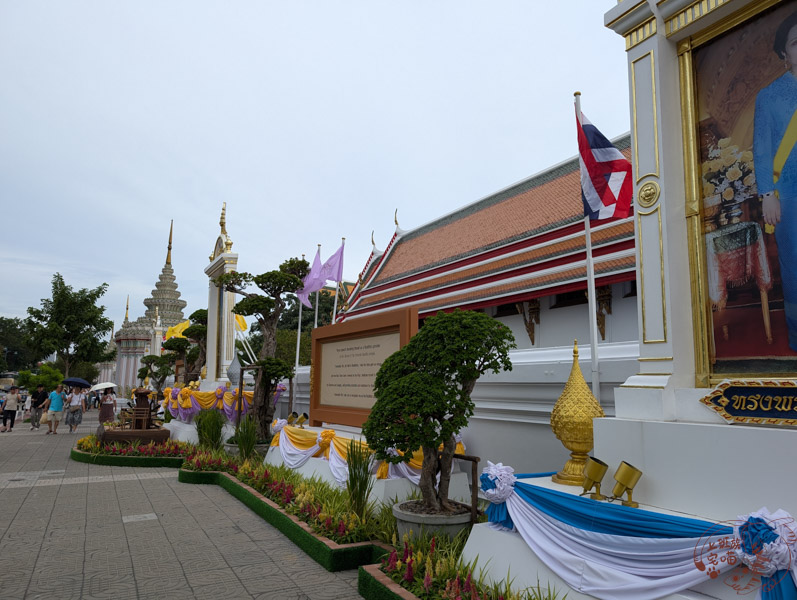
(186, 432)
(715, 471)
(384, 490)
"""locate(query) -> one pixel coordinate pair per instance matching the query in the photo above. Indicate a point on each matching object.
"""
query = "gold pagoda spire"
(223, 220)
(169, 250)
(571, 421)
(127, 308)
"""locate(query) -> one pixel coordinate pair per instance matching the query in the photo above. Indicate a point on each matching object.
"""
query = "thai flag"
(606, 186)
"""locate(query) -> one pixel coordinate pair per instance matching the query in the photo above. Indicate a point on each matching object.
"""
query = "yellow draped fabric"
(304, 439)
(205, 400)
(177, 330)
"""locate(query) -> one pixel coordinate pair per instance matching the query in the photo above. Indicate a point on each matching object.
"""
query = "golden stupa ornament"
(571, 421)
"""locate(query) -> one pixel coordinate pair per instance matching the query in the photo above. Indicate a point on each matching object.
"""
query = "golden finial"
(223, 220)
(169, 250)
(571, 421)
(395, 218)
(127, 307)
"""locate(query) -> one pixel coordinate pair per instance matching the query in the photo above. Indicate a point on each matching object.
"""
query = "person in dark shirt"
(37, 400)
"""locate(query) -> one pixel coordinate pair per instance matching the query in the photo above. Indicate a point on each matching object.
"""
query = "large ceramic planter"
(414, 524)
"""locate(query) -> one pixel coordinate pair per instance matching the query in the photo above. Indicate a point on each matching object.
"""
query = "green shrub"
(209, 424)
(246, 437)
(360, 481)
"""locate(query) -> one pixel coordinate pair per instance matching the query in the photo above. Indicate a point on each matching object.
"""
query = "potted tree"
(423, 399)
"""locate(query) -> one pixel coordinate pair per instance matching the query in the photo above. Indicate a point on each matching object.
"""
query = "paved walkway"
(72, 530)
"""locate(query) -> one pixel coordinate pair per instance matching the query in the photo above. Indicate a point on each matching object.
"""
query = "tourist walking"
(13, 400)
(55, 408)
(108, 407)
(37, 401)
(75, 409)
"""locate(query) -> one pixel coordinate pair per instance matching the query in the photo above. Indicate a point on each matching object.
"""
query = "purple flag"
(312, 281)
(333, 268)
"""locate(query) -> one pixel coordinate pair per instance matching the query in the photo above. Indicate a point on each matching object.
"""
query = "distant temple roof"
(522, 242)
(164, 303)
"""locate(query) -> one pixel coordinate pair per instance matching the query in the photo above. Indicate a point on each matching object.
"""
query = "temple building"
(519, 255)
(136, 339)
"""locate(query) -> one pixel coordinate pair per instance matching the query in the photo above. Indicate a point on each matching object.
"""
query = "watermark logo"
(756, 556)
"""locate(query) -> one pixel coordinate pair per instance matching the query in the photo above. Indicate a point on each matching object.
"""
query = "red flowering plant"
(211, 460)
(431, 568)
(90, 443)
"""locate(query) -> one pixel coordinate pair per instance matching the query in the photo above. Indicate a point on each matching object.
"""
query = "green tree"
(289, 319)
(197, 332)
(180, 347)
(70, 324)
(423, 393)
(157, 368)
(47, 375)
(84, 370)
(266, 307)
(16, 349)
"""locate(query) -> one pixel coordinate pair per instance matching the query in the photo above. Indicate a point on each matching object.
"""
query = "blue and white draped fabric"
(768, 546)
(615, 552)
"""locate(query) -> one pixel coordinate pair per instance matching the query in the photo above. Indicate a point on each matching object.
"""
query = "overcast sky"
(312, 120)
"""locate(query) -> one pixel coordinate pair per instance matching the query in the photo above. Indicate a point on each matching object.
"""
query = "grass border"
(329, 554)
(373, 584)
(174, 462)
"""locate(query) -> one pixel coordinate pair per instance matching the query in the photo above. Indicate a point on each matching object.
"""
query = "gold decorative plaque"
(648, 194)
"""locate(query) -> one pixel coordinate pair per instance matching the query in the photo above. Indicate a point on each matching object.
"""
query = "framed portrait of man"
(739, 93)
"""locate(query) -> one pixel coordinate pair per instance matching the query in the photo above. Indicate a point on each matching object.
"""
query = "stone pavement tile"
(217, 583)
(249, 557)
(105, 586)
(284, 595)
(54, 583)
(163, 586)
(334, 591)
(349, 577)
(13, 584)
(267, 569)
(315, 578)
(263, 585)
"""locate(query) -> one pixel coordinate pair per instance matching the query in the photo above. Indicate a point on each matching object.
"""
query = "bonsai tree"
(423, 394)
(197, 332)
(266, 305)
(158, 369)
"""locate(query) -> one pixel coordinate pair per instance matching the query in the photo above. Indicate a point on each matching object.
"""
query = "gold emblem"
(648, 194)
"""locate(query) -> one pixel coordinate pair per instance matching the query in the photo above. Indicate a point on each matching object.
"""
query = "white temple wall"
(560, 326)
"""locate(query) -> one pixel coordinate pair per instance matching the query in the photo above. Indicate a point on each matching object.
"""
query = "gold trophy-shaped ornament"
(571, 421)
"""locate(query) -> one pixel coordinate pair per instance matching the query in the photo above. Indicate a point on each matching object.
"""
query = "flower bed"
(328, 553)
(326, 509)
(165, 454)
(430, 569)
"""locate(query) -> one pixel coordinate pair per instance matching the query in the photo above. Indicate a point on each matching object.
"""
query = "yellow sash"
(787, 144)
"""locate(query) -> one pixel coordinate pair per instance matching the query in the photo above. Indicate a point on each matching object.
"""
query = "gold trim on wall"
(639, 176)
(640, 33)
(645, 339)
(690, 14)
(732, 20)
(653, 358)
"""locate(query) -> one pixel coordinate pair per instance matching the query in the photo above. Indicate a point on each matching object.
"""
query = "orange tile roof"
(531, 208)
(622, 230)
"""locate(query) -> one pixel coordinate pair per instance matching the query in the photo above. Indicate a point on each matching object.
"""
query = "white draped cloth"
(610, 567)
(291, 455)
(338, 466)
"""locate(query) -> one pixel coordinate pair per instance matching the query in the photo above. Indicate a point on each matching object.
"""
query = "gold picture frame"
(706, 374)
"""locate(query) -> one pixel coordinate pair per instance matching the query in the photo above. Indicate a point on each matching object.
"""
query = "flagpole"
(593, 316)
(315, 324)
(337, 290)
(298, 331)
